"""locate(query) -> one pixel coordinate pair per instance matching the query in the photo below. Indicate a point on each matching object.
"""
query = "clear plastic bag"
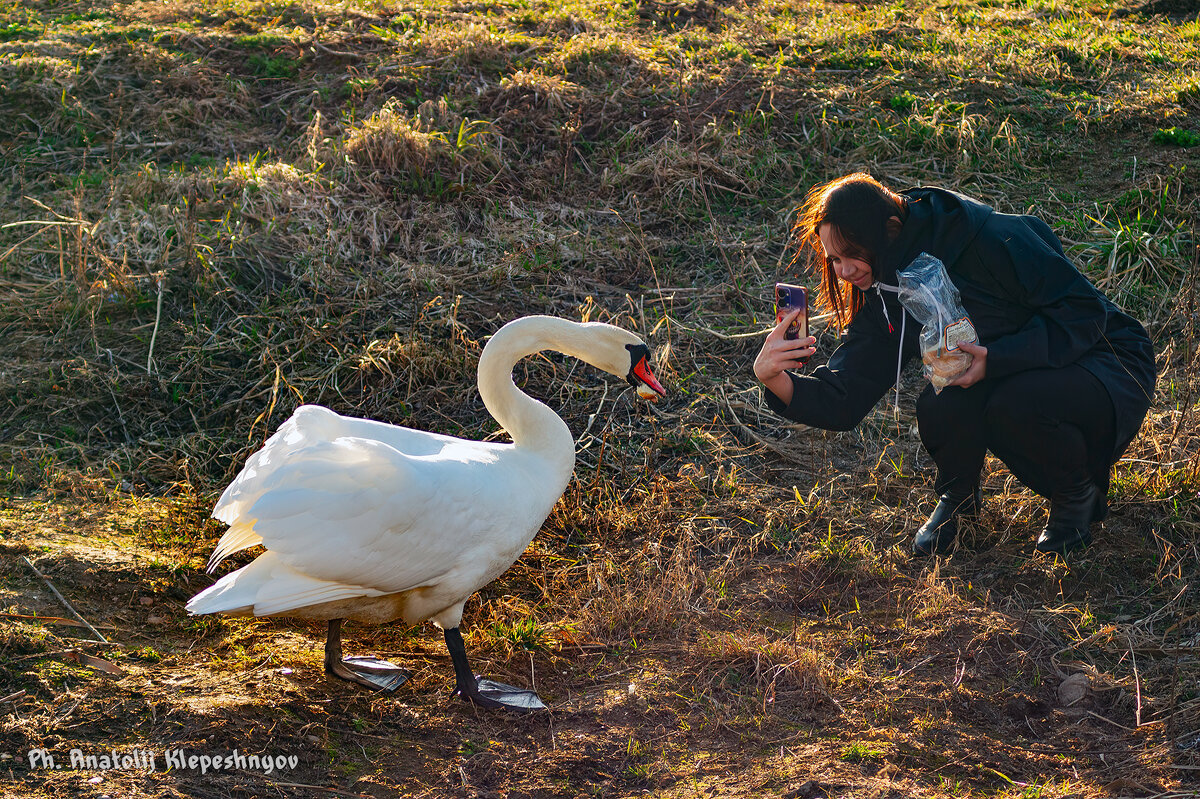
(927, 293)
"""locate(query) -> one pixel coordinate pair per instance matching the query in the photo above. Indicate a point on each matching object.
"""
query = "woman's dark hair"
(858, 208)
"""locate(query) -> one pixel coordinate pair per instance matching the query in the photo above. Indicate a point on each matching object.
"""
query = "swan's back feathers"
(314, 424)
(294, 452)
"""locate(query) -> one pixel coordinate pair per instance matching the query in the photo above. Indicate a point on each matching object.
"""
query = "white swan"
(373, 522)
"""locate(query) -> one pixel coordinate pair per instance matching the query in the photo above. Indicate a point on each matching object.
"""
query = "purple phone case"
(787, 297)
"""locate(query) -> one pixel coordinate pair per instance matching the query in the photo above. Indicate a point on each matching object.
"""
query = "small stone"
(1073, 689)
(810, 789)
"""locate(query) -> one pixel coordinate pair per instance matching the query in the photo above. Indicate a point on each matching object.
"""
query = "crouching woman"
(1060, 381)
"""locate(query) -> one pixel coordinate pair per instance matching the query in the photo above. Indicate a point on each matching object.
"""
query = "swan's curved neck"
(531, 424)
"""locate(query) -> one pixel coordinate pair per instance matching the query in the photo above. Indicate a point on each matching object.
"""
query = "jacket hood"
(945, 222)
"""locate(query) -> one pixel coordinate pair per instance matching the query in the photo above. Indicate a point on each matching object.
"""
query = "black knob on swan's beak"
(640, 376)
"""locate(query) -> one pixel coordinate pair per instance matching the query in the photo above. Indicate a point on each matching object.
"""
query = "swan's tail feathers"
(300, 591)
(238, 537)
(268, 587)
(233, 594)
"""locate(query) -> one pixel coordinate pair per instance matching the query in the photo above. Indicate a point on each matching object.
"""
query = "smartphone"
(787, 298)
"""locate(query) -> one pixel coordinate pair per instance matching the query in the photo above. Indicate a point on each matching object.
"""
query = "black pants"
(1053, 428)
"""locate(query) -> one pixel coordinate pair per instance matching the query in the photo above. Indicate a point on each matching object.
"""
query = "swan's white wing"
(308, 425)
(276, 465)
(293, 456)
(378, 519)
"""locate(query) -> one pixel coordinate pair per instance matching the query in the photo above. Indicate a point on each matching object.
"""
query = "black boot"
(1071, 514)
(937, 535)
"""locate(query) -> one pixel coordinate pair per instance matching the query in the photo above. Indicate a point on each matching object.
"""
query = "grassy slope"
(217, 211)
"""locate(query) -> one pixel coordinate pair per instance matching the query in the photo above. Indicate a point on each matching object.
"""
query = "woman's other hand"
(978, 368)
(779, 354)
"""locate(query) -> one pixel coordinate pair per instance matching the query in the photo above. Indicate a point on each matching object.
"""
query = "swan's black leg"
(485, 693)
(465, 682)
(378, 675)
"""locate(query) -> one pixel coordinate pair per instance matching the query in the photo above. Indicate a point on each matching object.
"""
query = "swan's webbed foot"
(482, 692)
(378, 675)
(497, 695)
(373, 673)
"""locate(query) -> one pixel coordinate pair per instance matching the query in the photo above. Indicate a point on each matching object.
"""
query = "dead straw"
(100, 639)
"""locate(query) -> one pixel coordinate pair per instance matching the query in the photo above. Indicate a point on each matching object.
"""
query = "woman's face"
(850, 268)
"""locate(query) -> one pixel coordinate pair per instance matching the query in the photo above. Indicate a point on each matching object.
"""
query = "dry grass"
(390, 143)
(217, 212)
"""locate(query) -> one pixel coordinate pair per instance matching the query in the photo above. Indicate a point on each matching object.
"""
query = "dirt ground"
(816, 678)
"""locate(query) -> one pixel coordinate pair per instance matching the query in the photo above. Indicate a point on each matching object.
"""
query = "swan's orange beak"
(640, 376)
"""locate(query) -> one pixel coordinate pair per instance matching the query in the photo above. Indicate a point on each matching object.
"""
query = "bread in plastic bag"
(927, 293)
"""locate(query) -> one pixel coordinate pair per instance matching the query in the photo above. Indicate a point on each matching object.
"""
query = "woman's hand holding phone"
(780, 353)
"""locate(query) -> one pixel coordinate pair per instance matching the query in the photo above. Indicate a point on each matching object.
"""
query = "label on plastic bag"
(959, 331)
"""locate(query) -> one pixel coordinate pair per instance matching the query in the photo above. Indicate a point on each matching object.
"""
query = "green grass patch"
(1179, 137)
(16, 32)
(862, 752)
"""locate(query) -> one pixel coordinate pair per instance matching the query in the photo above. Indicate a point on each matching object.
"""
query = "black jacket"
(1031, 308)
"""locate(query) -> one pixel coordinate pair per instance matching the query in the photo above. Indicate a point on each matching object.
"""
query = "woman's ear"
(894, 226)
